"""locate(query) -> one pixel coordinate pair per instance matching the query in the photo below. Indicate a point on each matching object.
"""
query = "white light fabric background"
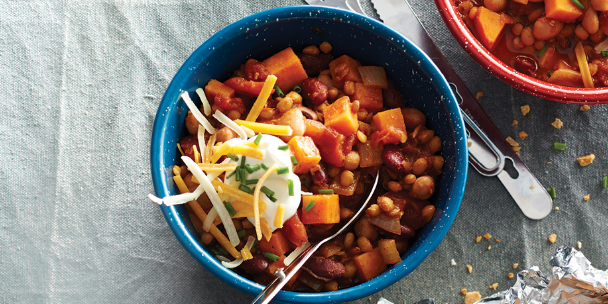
(80, 85)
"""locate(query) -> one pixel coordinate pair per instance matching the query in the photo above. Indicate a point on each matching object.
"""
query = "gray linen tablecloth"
(80, 83)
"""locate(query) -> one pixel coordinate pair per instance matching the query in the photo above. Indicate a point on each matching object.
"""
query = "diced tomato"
(248, 87)
(230, 103)
(294, 230)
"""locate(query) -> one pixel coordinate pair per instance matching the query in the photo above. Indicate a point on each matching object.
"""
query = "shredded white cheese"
(239, 261)
(294, 254)
(215, 200)
(197, 113)
(203, 97)
(179, 198)
(201, 143)
(248, 131)
(222, 118)
(209, 219)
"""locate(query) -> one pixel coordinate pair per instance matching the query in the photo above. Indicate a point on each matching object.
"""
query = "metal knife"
(488, 149)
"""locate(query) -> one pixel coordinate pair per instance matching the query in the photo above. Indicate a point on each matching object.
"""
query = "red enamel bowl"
(525, 83)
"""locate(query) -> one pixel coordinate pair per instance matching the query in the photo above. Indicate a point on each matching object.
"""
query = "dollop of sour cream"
(278, 183)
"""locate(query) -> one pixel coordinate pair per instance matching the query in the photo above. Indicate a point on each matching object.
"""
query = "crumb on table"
(489, 247)
(510, 275)
(556, 208)
(558, 124)
(497, 240)
(453, 262)
(586, 160)
(463, 291)
(472, 297)
(523, 135)
(487, 236)
(553, 238)
(586, 197)
(515, 265)
(479, 95)
(512, 142)
(525, 109)
(514, 122)
(493, 286)
(516, 148)
(585, 108)
(579, 245)
(477, 239)
(470, 268)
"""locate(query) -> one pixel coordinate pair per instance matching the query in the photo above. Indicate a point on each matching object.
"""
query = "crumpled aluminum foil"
(574, 280)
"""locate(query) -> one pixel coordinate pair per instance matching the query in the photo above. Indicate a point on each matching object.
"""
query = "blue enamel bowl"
(367, 40)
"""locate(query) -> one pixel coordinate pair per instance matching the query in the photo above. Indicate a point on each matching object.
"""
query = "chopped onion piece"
(197, 113)
(209, 219)
(239, 261)
(201, 143)
(373, 76)
(602, 46)
(215, 200)
(222, 118)
(294, 254)
(203, 97)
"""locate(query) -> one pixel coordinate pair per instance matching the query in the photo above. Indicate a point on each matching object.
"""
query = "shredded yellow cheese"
(246, 253)
(278, 218)
(581, 57)
(256, 201)
(177, 170)
(197, 156)
(217, 167)
(244, 150)
(260, 102)
(237, 194)
(200, 213)
(264, 128)
(266, 231)
(179, 147)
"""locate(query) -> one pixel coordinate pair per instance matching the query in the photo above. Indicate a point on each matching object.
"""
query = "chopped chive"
(215, 252)
(255, 242)
(272, 199)
(245, 189)
(238, 174)
(233, 157)
(257, 139)
(294, 161)
(231, 174)
(264, 166)
(243, 161)
(267, 191)
(278, 91)
(550, 74)
(250, 181)
(248, 168)
(255, 168)
(552, 192)
(559, 146)
(605, 182)
(229, 208)
(326, 191)
(283, 170)
(223, 251)
(578, 4)
(542, 51)
(297, 89)
(242, 233)
(271, 256)
(604, 53)
(284, 148)
(305, 182)
(309, 205)
(290, 185)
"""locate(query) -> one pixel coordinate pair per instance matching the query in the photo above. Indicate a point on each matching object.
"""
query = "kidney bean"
(187, 142)
(349, 142)
(392, 158)
(407, 231)
(255, 70)
(392, 98)
(325, 269)
(423, 187)
(257, 265)
(525, 65)
(320, 176)
(308, 113)
(314, 91)
(314, 64)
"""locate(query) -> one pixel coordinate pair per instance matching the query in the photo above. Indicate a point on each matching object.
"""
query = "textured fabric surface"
(80, 85)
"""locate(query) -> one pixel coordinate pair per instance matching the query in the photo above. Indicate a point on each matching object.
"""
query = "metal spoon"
(284, 275)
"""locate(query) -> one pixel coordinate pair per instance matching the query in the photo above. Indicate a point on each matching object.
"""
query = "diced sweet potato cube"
(549, 57)
(369, 98)
(369, 155)
(278, 244)
(369, 264)
(521, 1)
(562, 10)
(325, 210)
(306, 152)
(248, 87)
(390, 127)
(340, 116)
(329, 142)
(287, 67)
(344, 69)
(488, 27)
(389, 251)
(566, 78)
(216, 88)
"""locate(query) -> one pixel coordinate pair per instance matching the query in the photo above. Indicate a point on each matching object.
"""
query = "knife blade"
(488, 149)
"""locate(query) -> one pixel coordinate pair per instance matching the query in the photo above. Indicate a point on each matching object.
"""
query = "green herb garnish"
(242, 233)
(309, 205)
(233, 157)
(326, 191)
(297, 89)
(264, 166)
(245, 189)
(271, 256)
(257, 139)
(542, 51)
(250, 181)
(290, 185)
(282, 170)
(552, 192)
(605, 182)
(283, 148)
(229, 208)
(578, 4)
(294, 161)
(278, 91)
(267, 191)
(559, 146)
